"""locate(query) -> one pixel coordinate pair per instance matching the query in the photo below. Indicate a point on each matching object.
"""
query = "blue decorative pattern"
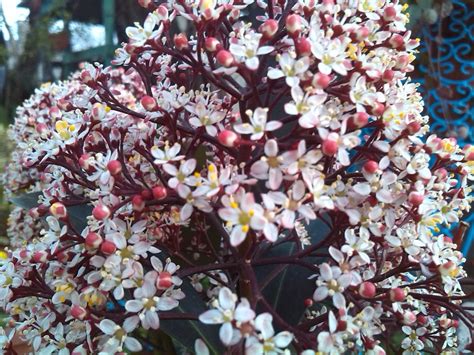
(447, 80)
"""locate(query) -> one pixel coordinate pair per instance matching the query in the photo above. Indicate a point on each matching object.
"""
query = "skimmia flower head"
(251, 186)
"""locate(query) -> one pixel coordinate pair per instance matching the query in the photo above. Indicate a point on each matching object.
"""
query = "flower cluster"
(259, 186)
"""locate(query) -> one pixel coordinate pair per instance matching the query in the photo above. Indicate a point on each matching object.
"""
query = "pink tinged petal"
(200, 347)
(132, 344)
(288, 219)
(212, 316)
(225, 333)
(307, 212)
(186, 212)
(339, 301)
(259, 170)
(345, 280)
(152, 319)
(308, 121)
(107, 326)
(275, 178)
(211, 130)
(283, 339)
(273, 125)
(170, 169)
(271, 232)
(247, 202)
(237, 236)
(119, 292)
(243, 313)
(226, 298)
(275, 74)
(291, 109)
(336, 254)
(332, 322)
(229, 214)
(244, 128)
(298, 190)
(134, 306)
(326, 272)
(271, 148)
(320, 293)
(362, 189)
(157, 264)
(189, 166)
(252, 63)
(384, 196)
(264, 324)
(167, 303)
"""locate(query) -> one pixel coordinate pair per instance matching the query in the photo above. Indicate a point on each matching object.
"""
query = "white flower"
(139, 35)
(269, 167)
(193, 199)
(116, 337)
(290, 68)
(307, 105)
(181, 175)
(247, 49)
(148, 307)
(166, 155)
(241, 213)
(267, 343)
(204, 117)
(331, 282)
(258, 124)
(225, 312)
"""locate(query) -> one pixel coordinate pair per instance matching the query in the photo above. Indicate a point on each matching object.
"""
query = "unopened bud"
(159, 192)
(228, 138)
(303, 46)
(397, 294)
(84, 161)
(78, 312)
(93, 241)
(396, 41)
(360, 119)
(225, 58)
(108, 247)
(138, 203)
(389, 13)
(114, 167)
(415, 198)
(330, 147)
(40, 256)
(367, 289)
(294, 23)
(181, 41)
(269, 28)
(101, 212)
(211, 44)
(164, 280)
(58, 210)
(321, 80)
(371, 167)
(148, 103)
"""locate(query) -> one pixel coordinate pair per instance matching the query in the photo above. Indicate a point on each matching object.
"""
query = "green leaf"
(185, 332)
(287, 291)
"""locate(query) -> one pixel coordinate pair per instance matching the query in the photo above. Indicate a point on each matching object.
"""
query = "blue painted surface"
(450, 103)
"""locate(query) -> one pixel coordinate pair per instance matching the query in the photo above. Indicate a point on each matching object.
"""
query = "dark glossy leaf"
(26, 201)
(290, 286)
(185, 332)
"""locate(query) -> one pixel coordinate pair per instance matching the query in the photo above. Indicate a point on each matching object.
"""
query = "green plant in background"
(5, 149)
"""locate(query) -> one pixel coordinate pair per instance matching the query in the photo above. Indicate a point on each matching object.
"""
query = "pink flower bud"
(396, 41)
(389, 13)
(78, 312)
(414, 127)
(225, 58)
(269, 28)
(84, 161)
(409, 317)
(41, 128)
(360, 119)
(162, 12)
(164, 280)
(371, 167)
(362, 33)
(93, 240)
(86, 77)
(146, 194)
(101, 212)
(228, 138)
(330, 147)
(148, 103)
(378, 109)
(144, 3)
(303, 46)
(308, 302)
(421, 319)
(58, 210)
(294, 23)
(64, 105)
(415, 198)
(388, 75)
(321, 81)
(211, 44)
(108, 247)
(114, 167)
(55, 112)
(159, 192)
(40, 256)
(138, 203)
(181, 41)
(397, 294)
(367, 289)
